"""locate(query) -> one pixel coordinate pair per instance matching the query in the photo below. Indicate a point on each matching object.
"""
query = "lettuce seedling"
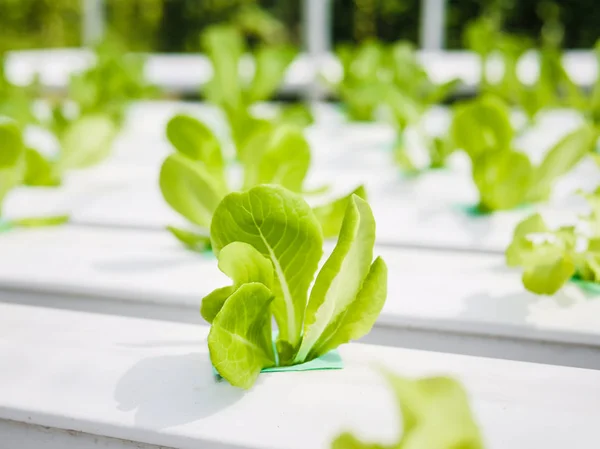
(387, 76)
(360, 88)
(193, 180)
(504, 177)
(550, 257)
(12, 157)
(17, 166)
(389, 79)
(225, 46)
(88, 120)
(269, 242)
(435, 413)
(111, 83)
(15, 101)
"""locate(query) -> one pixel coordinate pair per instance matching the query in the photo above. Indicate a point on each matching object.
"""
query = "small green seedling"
(504, 177)
(269, 242)
(17, 165)
(435, 414)
(550, 257)
(193, 180)
(224, 45)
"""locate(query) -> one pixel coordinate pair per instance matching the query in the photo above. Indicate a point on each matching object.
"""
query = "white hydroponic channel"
(122, 383)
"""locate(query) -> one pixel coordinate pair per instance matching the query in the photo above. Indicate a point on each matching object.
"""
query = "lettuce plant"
(550, 257)
(12, 159)
(435, 414)
(235, 94)
(87, 121)
(15, 101)
(269, 242)
(194, 180)
(553, 86)
(387, 76)
(389, 79)
(363, 72)
(16, 168)
(504, 177)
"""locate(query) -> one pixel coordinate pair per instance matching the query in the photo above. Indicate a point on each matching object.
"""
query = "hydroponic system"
(359, 249)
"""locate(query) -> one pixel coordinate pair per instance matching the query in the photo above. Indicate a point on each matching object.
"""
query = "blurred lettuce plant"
(435, 413)
(505, 177)
(234, 90)
(18, 166)
(550, 257)
(87, 121)
(388, 80)
(194, 179)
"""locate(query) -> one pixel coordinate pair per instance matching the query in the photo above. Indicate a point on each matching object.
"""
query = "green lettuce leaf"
(341, 277)
(435, 414)
(279, 156)
(271, 64)
(86, 142)
(359, 318)
(39, 222)
(520, 248)
(243, 264)
(192, 138)
(39, 170)
(239, 340)
(503, 179)
(549, 271)
(331, 215)
(224, 47)
(190, 189)
(191, 240)
(12, 159)
(482, 125)
(570, 150)
(283, 228)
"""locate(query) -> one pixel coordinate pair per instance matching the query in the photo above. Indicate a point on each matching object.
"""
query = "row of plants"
(266, 237)
(82, 124)
(287, 309)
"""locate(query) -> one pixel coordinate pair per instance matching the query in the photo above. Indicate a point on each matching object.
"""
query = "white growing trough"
(123, 383)
(439, 300)
(427, 211)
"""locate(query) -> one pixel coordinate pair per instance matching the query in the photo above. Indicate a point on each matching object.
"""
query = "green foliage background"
(173, 25)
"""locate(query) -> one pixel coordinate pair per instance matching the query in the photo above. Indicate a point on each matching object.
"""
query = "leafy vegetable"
(225, 46)
(552, 257)
(15, 101)
(435, 414)
(269, 242)
(17, 166)
(87, 121)
(482, 125)
(86, 142)
(377, 76)
(40, 172)
(553, 86)
(389, 81)
(193, 180)
(12, 157)
(504, 177)
(37, 222)
(191, 240)
(111, 83)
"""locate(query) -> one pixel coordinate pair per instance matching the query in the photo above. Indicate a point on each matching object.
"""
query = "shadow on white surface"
(173, 390)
